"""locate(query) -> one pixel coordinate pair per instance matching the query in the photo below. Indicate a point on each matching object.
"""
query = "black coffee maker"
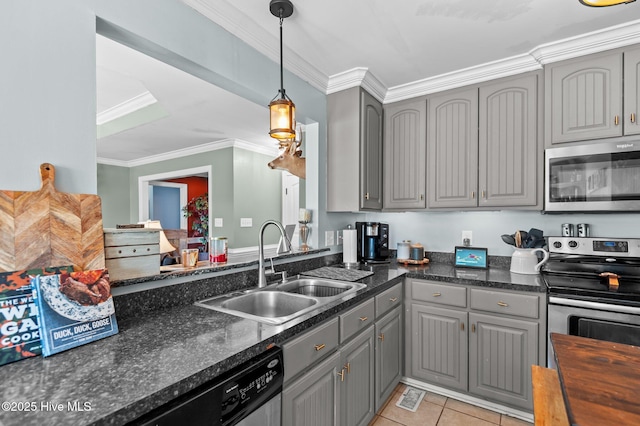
(373, 242)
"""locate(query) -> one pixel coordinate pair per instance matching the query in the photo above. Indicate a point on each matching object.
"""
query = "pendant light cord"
(281, 60)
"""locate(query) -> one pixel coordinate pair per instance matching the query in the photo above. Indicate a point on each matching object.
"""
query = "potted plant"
(198, 209)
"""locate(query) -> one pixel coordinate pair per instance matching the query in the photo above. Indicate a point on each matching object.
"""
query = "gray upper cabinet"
(484, 145)
(405, 157)
(509, 143)
(631, 91)
(452, 149)
(354, 151)
(584, 98)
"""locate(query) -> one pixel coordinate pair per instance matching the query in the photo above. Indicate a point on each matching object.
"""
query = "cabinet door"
(405, 128)
(586, 98)
(631, 91)
(508, 143)
(313, 399)
(439, 346)
(370, 152)
(501, 352)
(357, 384)
(452, 149)
(388, 355)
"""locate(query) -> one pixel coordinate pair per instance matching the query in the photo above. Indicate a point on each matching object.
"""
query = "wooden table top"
(600, 380)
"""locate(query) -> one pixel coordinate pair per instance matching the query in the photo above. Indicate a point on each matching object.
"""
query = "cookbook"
(19, 325)
(74, 309)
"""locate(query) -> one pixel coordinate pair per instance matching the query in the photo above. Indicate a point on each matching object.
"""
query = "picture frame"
(471, 257)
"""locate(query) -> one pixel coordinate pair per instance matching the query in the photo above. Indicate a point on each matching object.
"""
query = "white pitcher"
(525, 261)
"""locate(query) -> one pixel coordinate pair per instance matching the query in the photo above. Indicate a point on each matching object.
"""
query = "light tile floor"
(438, 410)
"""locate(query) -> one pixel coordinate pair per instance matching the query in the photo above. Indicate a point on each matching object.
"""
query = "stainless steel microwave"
(594, 177)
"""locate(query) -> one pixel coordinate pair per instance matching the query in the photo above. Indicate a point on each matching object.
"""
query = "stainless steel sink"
(283, 302)
(320, 287)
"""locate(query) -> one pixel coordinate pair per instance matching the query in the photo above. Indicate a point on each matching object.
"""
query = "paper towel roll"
(349, 246)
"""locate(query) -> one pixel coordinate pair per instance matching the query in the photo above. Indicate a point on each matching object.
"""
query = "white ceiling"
(396, 49)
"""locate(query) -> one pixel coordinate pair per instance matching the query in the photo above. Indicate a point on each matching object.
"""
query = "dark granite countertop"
(163, 354)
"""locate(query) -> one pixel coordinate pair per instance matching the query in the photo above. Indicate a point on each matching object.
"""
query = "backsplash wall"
(441, 231)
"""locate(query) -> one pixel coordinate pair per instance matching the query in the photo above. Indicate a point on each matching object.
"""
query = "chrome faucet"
(262, 275)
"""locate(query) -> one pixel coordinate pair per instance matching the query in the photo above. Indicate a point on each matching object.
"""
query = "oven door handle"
(593, 305)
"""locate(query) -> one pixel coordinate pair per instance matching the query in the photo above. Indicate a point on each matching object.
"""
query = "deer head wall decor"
(290, 159)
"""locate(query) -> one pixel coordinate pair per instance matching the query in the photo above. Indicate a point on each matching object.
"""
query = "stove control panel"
(614, 247)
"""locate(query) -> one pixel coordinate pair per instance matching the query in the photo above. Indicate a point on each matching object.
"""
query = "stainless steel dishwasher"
(249, 395)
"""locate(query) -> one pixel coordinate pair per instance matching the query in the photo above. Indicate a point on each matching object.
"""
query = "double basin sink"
(277, 304)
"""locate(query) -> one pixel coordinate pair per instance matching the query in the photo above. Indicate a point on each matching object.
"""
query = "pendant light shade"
(281, 109)
(603, 3)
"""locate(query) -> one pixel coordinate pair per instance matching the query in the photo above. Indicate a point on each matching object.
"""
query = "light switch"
(217, 222)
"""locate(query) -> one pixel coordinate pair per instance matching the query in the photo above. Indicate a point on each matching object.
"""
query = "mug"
(525, 261)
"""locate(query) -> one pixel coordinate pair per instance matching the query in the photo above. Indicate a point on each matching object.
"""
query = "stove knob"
(573, 244)
(557, 244)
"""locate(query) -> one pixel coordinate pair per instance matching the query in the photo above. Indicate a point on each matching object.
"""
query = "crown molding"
(360, 76)
(140, 101)
(584, 44)
(255, 36)
(597, 41)
(200, 149)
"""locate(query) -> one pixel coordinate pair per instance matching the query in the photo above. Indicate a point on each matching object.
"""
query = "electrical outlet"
(217, 222)
(246, 222)
(467, 238)
(339, 237)
(328, 238)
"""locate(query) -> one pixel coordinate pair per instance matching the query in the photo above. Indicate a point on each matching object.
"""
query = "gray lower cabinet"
(389, 352)
(354, 137)
(357, 380)
(337, 373)
(313, 399)
(475, 340)
(501, 353)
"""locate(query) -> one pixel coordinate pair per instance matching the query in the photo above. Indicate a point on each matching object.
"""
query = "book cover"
(74, 309)
(19, 325)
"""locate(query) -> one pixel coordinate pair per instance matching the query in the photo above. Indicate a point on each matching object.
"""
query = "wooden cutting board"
(50, 228)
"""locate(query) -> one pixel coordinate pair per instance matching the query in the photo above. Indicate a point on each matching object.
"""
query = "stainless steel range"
(594, 289)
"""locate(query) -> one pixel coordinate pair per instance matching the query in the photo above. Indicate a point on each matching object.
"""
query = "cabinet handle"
(437, 294)
(462, 326)
(473, 194)
(366, 196)
(616, 120)
(503, 304)
(633, 117)
(473, 328)
(381, 337)
(393, 299)
(363, 319)
(341, 374)
(484, 194)
(347, 367)
(319, 347)
(422, 196)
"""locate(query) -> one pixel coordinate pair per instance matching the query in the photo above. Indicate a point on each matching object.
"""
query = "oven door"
(594, 177)
(596, 320)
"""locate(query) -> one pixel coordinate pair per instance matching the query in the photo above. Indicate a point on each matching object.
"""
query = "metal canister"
(567, 230)
(218, 250)
(583, 230)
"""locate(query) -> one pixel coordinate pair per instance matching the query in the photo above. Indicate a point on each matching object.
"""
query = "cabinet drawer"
(522, 305)
(441, 294)
(131, 251)
(388, 299)
(131, 237)
(356, 319)
(124, 268)
(309, 348)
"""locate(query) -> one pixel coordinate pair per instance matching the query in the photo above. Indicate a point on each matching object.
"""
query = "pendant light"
(602, 3)
(281, 108)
